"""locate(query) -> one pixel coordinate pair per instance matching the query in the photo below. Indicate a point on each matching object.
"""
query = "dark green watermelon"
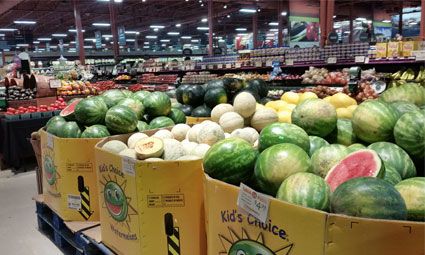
(54, 119)
(55, 127)
(215, 84)
(157, 104)
(193, 95)
(142, 126)
(215, 96)
(121, 119)
(201, 111)
(90, 111)
(187, 109)
(265, 100)
(177, 116)
(95, 131)
(260, 86)
(161, 122)
(233, 84)
(70, 130)
(179, 92)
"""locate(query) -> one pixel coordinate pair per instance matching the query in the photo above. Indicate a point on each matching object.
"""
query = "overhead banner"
(61, 46)
(98, 37)
(121, 35)
(47, 46)
(304, 31)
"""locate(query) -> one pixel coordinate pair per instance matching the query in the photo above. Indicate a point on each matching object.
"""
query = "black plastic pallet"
(70, 243)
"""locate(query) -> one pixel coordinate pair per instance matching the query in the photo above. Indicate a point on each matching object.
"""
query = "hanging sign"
(121, 35)
(98, 37)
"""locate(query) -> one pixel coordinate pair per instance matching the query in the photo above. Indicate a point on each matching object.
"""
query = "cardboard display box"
(70, 177)
(296, 230)
(150, 207)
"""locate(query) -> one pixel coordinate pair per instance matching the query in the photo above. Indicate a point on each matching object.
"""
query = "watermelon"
(90, 111)
(140, 95)
(413, 192)
(343, 133)
(326, 157)
(316, 116)
(316, 143)
(233, 84)
(121, 119)
(215, 84)
(277, 163)
(177, 116)
(70, 130)
(179, 92)
(68, 111)
(127, 93)
(355, 147)
(176, 105)
(368, 197)
(201, 111)
(230, 160)
(55, 127)
(409, 133)
(305, 189)
(95, 131)
(402, 107)
(409, 92)
(215, 96)
(113, 96)
(265, 100)
(134, 105)
(283, 133)
(73, 100)
(193, 95)
(361, 163)
(157, 104)
(54, 119)
(391, 175)
(258, 86)
(186, 109)
(142, 126)
(395, 157)
(373, 121)
(160, 122)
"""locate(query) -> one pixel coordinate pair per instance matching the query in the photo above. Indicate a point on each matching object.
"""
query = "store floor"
(18, 221)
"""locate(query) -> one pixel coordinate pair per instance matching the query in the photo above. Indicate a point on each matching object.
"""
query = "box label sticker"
(289, 62)
(359, 59)
(254, 203)
(50, 141)
(74, 202)
(166, 200)
(331, 60)
(79, 166)
(128, 166)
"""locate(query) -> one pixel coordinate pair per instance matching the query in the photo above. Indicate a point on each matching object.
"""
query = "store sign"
(187, 52)
(121, 35)
(54, 84)
(253, 203)
(98, 37)
(333, 37)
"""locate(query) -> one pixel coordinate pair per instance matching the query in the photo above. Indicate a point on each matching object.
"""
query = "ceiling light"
(22, 45)
(8, 29)
(202, 28)
(178, 25)
(283, 13)
(258, 10)
(36, 42)
(2, 34)
(270, 35)
(173, 33)
(156, 29)
(334, 16)
(26, 22)
(59, 35)
(225, 6)
(204, 20)
(202, 5)
(151, 37)
(88, 47)
(72, 42)
(130, 40)
(240, 29)
(186, 37)
(221, 40)
(163, 45)
(386, 21)
(228, 15)
(242, 34)
(337, 26)
(361, 19)
(143, 0)
(187, 45)
(413, 23)
(44, 39)
(90, 39)
(146, 42)
(273, 24)
(246, 10)
(107, 36)
(118, 1)
(146, 47)
(165, 40)
(66, 44)
(103, 0)
(131, 32)
(194, 40)
(273, 30)
(156, 26)
(75, 30)
(101, 24)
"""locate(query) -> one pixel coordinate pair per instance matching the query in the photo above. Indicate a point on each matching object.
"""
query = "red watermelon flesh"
(68, 111)
(361, 163)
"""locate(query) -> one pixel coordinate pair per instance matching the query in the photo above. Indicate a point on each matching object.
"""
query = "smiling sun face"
(116, 201)
(249, 247)
(49, 170)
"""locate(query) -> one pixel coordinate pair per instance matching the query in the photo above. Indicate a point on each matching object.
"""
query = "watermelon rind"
(409, 92)
(121, 119)
(355, 147)
(277, 133)
(54, 119)
(413, 192)
(215, 96)
(409, 133)
(316, 143)
(326, 157)
(368, 197)
(68, 111)
(112, 97)
(55, 127)
(391, 175)
(140, 95)
(343, 133)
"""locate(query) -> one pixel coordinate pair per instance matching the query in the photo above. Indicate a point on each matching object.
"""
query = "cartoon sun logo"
(244, 245)
(116, 202)
(50, 172)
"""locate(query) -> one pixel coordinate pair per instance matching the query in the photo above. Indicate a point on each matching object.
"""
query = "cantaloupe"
(164, 134)
(189, 157)
(149, 147)
(114, 146)
(231, 121)
(262, 118)
(252, 133)
(154, 159)
(200, 150)
(132, 140)
(131, 153)
(245, 104)
(179, 131)
(188, 146)
(210, 133)
(192, 134)
(172, 149)
(219, 110)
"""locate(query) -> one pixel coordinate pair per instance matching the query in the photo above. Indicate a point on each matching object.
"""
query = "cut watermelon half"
(361, 163)
(68, 111)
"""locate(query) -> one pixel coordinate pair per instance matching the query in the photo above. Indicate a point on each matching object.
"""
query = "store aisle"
(18, 222)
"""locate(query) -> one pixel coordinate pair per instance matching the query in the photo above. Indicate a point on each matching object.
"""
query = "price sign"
(254, 203)
(238, 65)
(220, 66)
(269, 63)
(258, 64)
(419, 55)
(366, 60)
(128, 166)
(331, 60)
(50, 141)
(203, 67)
(289, 62)
(210, 66)
(228, 66)
(359, 59)
(54, 84)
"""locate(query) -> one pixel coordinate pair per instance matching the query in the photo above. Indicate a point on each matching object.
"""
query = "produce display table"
(14, 139)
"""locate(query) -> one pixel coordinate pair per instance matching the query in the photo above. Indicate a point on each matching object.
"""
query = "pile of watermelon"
(199, 100)
(115, 112)
(371, 166)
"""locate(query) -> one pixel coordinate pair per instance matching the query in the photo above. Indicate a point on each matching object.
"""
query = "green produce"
(409, 92)
(231, 160)
(391, 175)
(343, 133)
(127, 93)
(113, 96)
(179, 92)
(305, 189)
(215, 84)
(90, 111)
(395, 157)
(68, 112)
(277, 163)
(134, 105)
(409, 133)
(70, 130)
(258, 86)
(161, 122)
(140, 95)
(54, 119)
(55, 127)
(186, 109)
(95, 131)
(177, 116)
(277, 133)
(215, 96)
(157, 104)
(193, 95)
(373, 121)
(201, 111)
(316, 116)
(316, 143)
(233, 84)
(142, 126)
(402, 107)
(368, 197)
(326, 157)
(121, 119)
(355, 147)
(413, 192)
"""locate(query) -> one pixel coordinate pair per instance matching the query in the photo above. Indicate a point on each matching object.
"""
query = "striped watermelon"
(413, 192)
(277, 163)
(90, 111)
(391, 175)
(316, 143)
(409, 92)
(343, 133)
(316, 116)
(402, 107)
(160, 122)
(394, 156)
(326, 157)
(231, 160)
(177, 116)
(134, 105)
(140, 95)
(355, 147)
(305, 189)
(373, 121)
(368, 197)
(409, 133)
(157, 104)
(70, 130)
(112, 97)
(121, 119)
(95, 131)
(277, 133)
(142, 126)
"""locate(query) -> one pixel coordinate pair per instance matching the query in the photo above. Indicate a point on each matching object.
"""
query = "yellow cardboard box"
(150, 207)
(70, 177)
(296, 230)
(394, 49)
(381, 50)
(409, 47)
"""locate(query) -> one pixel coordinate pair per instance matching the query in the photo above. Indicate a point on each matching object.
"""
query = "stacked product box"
(345, 51)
